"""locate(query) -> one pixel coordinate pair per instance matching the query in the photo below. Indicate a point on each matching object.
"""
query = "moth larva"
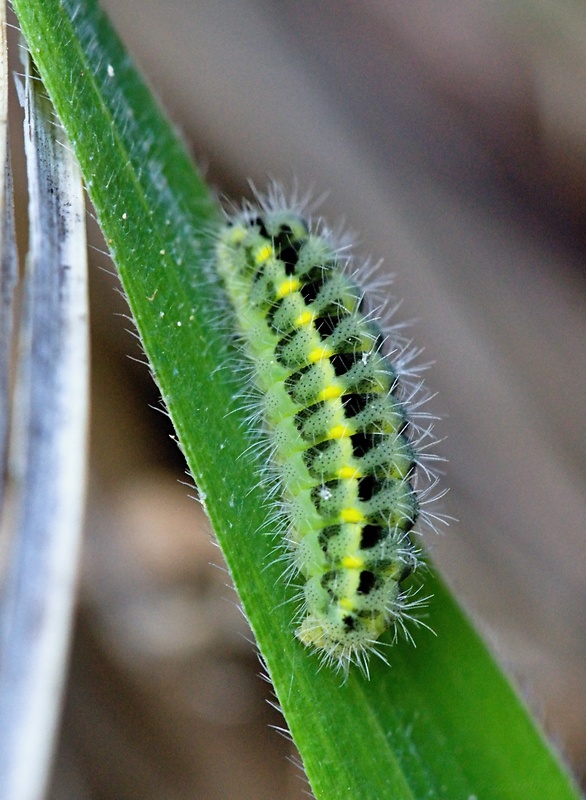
(336, 411)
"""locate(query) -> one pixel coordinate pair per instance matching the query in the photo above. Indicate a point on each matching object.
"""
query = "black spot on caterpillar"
(342, 424)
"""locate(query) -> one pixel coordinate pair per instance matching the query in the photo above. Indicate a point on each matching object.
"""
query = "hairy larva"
(338, 414)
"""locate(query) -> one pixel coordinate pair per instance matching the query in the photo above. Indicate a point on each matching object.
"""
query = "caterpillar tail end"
(336, 651)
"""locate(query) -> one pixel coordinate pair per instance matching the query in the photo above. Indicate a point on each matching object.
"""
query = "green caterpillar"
(334, 410)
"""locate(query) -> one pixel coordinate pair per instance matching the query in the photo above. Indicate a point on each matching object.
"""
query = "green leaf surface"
(441, 721)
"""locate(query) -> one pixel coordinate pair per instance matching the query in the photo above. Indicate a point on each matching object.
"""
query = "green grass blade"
(441, 722)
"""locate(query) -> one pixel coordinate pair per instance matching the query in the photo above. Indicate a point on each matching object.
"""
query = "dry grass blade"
(47, 456)
(8, 261)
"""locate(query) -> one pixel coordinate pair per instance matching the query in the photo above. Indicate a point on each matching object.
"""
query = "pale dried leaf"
(47, 455)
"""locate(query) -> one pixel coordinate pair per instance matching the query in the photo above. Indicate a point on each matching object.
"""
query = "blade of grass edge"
(392, 736)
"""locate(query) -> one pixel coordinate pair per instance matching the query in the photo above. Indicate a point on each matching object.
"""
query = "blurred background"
(452, 137)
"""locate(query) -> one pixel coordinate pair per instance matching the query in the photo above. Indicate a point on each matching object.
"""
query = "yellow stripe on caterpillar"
(330, 393)
(351, 515)
(288, 286)
(352, 562)
(263, 254)
(347, 473)
(304, 319)
(320, 353)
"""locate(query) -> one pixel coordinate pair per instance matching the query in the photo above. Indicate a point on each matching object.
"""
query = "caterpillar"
(335, 412)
